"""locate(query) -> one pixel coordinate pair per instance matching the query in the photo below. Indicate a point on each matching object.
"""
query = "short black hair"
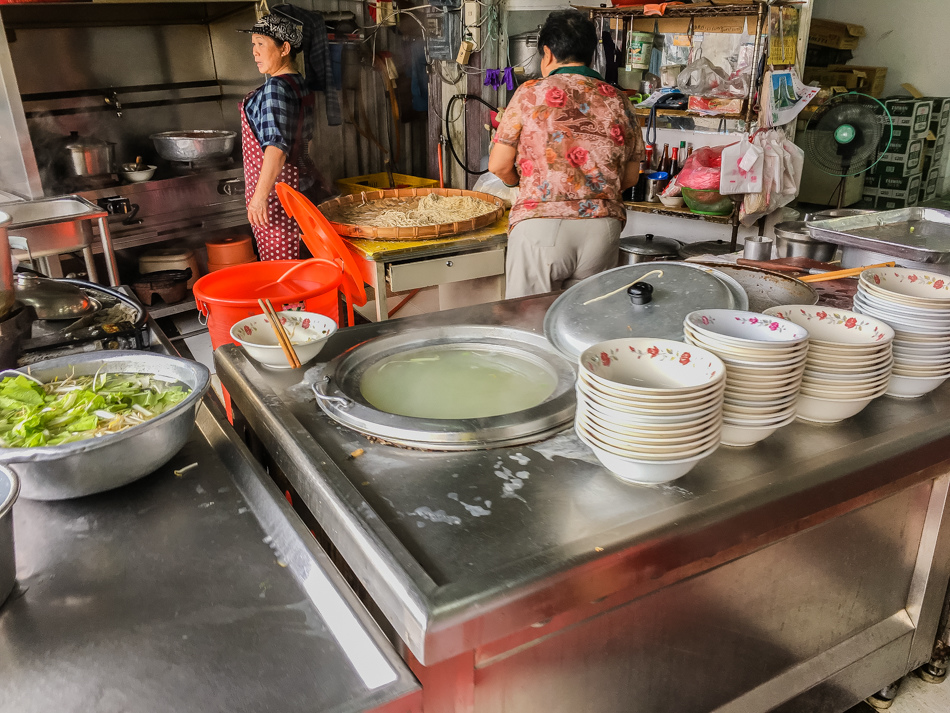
(280, 46)
(570, 35)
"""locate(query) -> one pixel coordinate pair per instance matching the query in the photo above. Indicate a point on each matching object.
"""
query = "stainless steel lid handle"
(323, 398)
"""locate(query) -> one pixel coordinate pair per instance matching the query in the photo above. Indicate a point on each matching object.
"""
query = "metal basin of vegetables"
(71, 470)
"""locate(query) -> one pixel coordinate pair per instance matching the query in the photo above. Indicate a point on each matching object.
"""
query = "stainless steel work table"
(804, 573)
(415, 264)
(200, 592)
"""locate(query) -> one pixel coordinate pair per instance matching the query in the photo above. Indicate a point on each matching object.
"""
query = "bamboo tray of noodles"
(337, 210)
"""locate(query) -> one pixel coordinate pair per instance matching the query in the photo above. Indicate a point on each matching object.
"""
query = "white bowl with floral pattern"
(911, 387)
(818, 410)
(746, 329)
(849, 365)
(636, 406)
(722, 349)
(668, 419)
(651, 430)
(591, 384)
(875, 301)
(743, 436)
(839, 327)
(652, 366)
(308, 333)
(643, 471)
(908, 285)
(651, 447)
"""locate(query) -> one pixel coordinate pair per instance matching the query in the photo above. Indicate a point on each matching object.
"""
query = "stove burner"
(190, 168)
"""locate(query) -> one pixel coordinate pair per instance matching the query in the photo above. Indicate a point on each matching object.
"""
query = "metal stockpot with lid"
(648, 248)
(89, 158)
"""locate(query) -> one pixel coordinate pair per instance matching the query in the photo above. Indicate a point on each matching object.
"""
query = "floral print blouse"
(575, 135)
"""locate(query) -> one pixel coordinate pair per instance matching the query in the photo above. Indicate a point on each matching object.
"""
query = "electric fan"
(847, 135)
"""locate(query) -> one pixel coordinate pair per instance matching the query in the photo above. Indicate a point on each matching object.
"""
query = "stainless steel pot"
(9, 489)
(523, 52)
(88, 158)
(198, 145)
(648, 248)
(793, 240)
(75, 469)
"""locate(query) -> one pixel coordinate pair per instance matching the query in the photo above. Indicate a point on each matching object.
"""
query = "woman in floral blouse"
(573, 145)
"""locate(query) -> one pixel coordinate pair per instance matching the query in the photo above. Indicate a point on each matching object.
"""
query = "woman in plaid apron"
(276, 128)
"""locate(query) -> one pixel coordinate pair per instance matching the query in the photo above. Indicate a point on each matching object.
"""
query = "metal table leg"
(382, 309)
(91, 274)
(111, 268)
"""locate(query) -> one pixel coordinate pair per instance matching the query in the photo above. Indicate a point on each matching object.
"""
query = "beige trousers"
(546, 254)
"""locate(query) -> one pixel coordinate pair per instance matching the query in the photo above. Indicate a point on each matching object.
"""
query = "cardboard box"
(871, 80)
(931, 185)
(828, 78)
(939, 115)
(908, 163)
(891, 199)
(868, 198)
(729, 25)
(901, 140)
(914, 113)
(837, 35)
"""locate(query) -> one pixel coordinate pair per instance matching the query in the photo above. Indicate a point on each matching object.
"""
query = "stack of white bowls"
(650, 409)
(917, 305)
(849, 361)
(765, 359)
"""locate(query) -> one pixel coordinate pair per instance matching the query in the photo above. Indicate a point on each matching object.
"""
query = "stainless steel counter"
(199, 592)
(771, 569)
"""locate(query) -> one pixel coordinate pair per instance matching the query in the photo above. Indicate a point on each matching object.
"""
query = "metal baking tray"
(919, 234)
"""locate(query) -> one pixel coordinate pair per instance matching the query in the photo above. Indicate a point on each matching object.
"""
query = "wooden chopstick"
(840, 274)
(282, 337)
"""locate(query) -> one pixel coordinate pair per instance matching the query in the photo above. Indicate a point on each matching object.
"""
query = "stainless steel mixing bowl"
(92, 466)
(196, 145)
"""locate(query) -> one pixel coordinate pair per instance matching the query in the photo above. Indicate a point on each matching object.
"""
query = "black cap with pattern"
(281, 28)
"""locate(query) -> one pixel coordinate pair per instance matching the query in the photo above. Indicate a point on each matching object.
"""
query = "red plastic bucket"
(227, 296)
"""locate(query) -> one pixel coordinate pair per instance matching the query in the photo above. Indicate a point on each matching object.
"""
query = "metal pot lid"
(572, 326)
(650, 244)
(78, 142)
(707, 247)
(52, 299)
(356, 379)
(793, 230)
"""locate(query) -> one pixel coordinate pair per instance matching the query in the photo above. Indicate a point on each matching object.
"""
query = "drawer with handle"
(451, 268)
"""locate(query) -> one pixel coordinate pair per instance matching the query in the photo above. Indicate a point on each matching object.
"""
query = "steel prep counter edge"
(734, 505)
(246, 610)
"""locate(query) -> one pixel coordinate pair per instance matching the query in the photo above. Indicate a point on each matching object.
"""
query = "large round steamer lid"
(649, 244)
(572, 326)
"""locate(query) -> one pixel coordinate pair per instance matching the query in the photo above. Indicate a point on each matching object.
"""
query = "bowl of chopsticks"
(278, 339)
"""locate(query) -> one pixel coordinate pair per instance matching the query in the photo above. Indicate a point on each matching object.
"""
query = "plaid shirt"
(273, 111)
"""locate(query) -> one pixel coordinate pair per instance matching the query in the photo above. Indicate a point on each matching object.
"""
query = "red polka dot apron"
(280, 238)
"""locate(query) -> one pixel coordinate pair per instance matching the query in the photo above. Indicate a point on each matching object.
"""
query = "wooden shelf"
(645, 111)
(684, 212)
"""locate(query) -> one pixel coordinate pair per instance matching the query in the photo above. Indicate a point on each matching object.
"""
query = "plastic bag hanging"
(742, 165)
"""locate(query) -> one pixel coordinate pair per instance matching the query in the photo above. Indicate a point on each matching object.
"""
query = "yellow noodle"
(431, 209)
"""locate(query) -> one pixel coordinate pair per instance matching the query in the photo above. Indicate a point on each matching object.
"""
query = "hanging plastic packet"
(742, 165)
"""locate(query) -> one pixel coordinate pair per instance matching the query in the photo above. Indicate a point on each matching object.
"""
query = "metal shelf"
(674, 11)
(159, 309)
(684, 212)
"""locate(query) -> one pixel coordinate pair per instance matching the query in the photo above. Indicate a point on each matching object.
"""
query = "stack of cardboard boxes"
(911, 168)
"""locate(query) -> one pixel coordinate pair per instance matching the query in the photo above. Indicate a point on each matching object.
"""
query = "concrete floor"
(915, 696)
